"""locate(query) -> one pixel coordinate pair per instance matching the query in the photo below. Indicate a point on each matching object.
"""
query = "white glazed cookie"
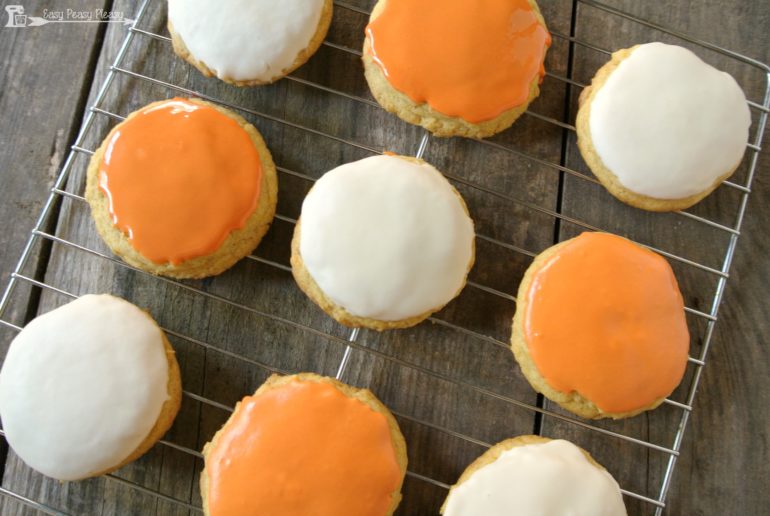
(660, 128)
(531, 475)
(383, 242)
(88, 387)
(248, 42)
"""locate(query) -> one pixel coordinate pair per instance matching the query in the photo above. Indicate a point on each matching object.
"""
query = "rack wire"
(349, 343)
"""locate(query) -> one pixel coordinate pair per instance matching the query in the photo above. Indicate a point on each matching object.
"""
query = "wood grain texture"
(728, 430)
(442, 383)
(692, 240)
(46, 72)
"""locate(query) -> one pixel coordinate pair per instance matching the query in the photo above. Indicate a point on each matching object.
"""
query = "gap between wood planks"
(540, 400)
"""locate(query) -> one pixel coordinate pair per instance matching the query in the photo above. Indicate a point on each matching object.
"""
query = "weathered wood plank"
(454, 355)
(692, 492)
(46, 73)
(728, 428)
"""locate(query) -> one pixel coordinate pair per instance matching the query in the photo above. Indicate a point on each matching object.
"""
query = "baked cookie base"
(571, 401)
(605, 176)
(364, 395)
(425, 116)
(237, 245)
(182, 51)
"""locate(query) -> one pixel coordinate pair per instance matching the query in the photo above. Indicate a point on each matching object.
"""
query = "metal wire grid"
(722, 273)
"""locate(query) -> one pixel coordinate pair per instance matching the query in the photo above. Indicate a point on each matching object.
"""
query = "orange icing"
(303, 448)
(467, 59)
(605, 318)
(180, 177)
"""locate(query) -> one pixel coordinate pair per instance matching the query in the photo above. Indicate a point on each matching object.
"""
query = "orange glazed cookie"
(305, 444)
(182, 188)
(600, 327)
(455, 67)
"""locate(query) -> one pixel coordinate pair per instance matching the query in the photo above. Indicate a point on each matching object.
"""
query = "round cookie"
(382, 243)
(600, 327)
(182, 188)
(530, 474)
(456, 68)
(305, 444)
(660, 128)
(248, 42)
(88, 388)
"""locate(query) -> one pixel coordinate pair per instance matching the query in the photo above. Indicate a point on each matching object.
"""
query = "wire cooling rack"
(725, 221)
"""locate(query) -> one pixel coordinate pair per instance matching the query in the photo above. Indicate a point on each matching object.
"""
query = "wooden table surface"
(452, 384)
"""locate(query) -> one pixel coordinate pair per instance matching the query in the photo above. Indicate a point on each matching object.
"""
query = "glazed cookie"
(600, 327)
(87, 388)
(305, 444)
(530, 475)
(382, 243)
(456, 68)
(182, 188)
(660, 128)
(248, 42)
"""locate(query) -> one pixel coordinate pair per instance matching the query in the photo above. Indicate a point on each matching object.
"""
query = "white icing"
(386, 238)
(82, 386)
(246, 39)
(667, 124)
(550, 479)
